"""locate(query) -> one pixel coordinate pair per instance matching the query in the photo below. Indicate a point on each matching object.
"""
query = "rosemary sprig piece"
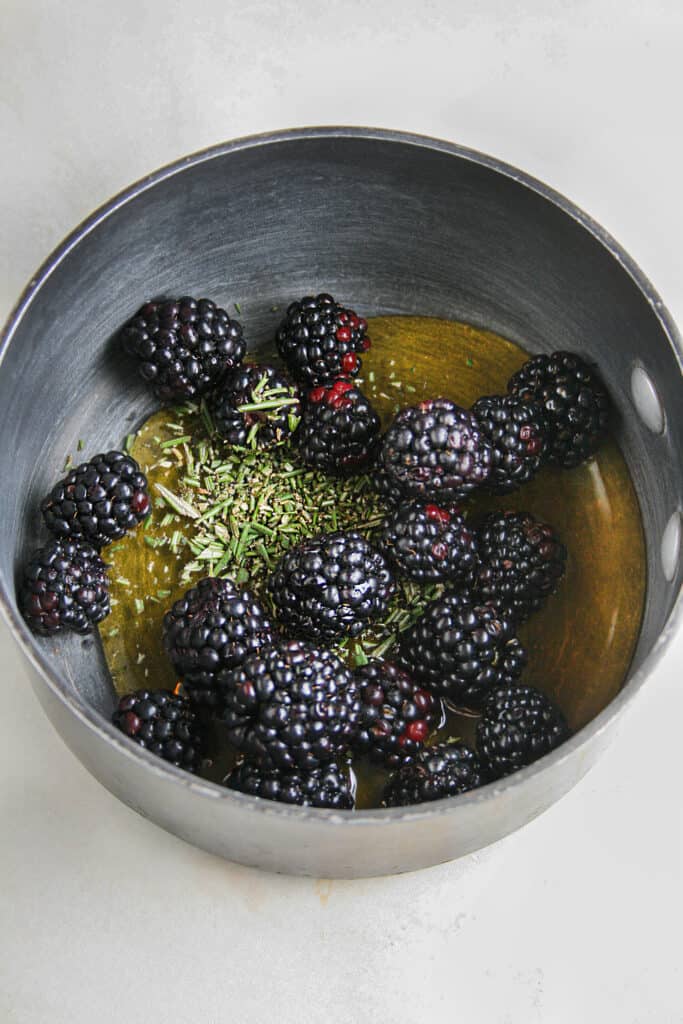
(180, 505)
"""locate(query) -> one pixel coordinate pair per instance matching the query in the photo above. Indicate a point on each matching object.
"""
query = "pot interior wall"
(392, 226)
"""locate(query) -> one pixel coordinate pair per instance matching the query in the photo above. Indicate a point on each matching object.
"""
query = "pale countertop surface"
(103, 917)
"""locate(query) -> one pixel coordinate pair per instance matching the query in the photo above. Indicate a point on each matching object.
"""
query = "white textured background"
(104, 918)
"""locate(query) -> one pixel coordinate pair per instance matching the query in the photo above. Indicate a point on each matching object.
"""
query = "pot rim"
(106, 732)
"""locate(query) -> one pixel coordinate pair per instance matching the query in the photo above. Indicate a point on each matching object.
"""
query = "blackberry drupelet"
(386, 487)
(574, 401)
(162, 723)
(255, 405)
(330, 586)
(437, 772)
(436, 452)
(65, 587)
(319, 340)
(460, 649)
(98, 501)
(429, 544)
(396, 714)
(519, 725)
(183, 346)
(328, 786)
(339, 430)
(213, 627)
(521, 562)
(517, 433)
(291, 706)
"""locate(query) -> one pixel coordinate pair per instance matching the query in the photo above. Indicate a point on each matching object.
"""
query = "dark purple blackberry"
(183, 346)
(516, 431)
(436, 452)
(460, 649)
(327, 786)
(339, 430)
(519, 725)
(162, 723)
(255, 406)
(65, 587)
(396, 714)
(429, 544)
(320, 340)
(214, 626)
(330, 586)
(437, 772)
(521, 562)
(291, 706)
(98, 501)
(573, 399)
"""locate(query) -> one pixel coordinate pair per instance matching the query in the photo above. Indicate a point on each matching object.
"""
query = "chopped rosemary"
(180, 505)
(359, 656)
(247, 505)
(206, 419)
(268, 403)
(175, 441)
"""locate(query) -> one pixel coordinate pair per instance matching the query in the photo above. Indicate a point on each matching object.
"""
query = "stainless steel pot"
(404, 225)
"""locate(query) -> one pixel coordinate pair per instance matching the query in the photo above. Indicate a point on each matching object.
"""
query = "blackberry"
(214, 626)
(255, 405)
(436, 451)
(429, 544)
(162, 723)
(517, 433)
(396, 715)
(327, 786)
(291, 706)
(183, 346)
(573, 399)
(98, 501)
(64, 587)
(437, 772)
(521, 562)
(519, 725)
(330, 586)
(460, 649)
(339, 430)
(320, 340)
